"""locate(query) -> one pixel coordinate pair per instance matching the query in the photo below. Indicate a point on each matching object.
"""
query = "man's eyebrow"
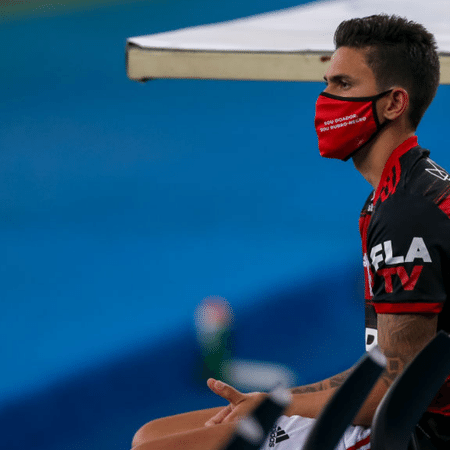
(337, 78)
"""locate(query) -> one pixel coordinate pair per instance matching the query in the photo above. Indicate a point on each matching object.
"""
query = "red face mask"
(345, 124)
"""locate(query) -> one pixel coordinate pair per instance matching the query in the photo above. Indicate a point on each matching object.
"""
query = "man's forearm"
(400, 337)
(330, 383)
(308, 401)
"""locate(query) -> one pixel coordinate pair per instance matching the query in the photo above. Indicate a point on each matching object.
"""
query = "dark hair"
(399, 53)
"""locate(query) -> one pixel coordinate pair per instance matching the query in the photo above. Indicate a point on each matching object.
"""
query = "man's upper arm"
(401, 337)
(408, 247)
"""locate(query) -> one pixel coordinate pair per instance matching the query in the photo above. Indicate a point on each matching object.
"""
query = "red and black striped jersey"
(405, 232)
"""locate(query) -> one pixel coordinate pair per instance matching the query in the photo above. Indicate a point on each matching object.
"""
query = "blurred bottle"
(214, 326)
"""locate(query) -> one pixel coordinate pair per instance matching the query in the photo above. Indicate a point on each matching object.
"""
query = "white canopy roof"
(282, 45)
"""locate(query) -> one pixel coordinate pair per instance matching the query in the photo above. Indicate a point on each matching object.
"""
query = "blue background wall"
(123, 205)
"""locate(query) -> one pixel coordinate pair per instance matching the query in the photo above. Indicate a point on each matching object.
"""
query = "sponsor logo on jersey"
(438, 171)
(277, 435)
(383, 253)
(408, 281)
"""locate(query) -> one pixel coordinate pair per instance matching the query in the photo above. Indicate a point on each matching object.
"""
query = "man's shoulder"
(416, 181)
(417, 193)
(424, 177)
(416, 185)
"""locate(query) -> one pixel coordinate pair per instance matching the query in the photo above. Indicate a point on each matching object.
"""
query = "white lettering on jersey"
(391, 260)
(376, 258)
(437, 171)
(366, 265)
(417, 250)
(371, 338)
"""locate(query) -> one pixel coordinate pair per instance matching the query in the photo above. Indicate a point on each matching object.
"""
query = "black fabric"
(434, 430)
(405, 231)
(407, 214)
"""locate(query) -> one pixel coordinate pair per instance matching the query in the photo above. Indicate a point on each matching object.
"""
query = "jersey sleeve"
(408, 251)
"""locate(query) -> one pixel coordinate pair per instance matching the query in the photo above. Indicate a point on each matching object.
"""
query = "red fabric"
(387, 275)
(445, 206)
(391, 172)
(343, 126)
(390, 183)
(368, 276)
(360, 444)
(409, 282)
(441, 403)
(405, 308)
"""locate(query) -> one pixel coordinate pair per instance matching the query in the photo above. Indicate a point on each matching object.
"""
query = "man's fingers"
(220, 416)
(210, 382)
(244, 408)
(233, 416)
(225, 391)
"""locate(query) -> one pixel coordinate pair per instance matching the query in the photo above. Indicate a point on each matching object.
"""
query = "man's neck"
(370, 160)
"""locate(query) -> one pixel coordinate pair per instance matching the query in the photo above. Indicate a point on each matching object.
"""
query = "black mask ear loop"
(377, 122)
(379, 125)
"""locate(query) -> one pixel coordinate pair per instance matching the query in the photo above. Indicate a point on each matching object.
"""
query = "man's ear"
(397, 103)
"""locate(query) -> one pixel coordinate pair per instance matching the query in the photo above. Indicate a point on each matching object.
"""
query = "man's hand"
(240, 404)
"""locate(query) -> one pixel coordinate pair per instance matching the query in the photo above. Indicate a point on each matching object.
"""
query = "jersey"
(405, 232)
(291, 433)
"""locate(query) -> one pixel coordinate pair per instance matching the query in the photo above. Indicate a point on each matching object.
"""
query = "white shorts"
(290, 433)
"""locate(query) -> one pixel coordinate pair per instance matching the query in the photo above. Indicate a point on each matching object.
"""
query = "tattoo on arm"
(401, 337)
(393, 369)
(329, 383)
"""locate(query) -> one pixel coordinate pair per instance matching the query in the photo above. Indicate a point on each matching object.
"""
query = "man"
(382, 77)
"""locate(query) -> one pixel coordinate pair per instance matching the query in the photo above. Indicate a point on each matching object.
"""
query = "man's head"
(399, 53)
